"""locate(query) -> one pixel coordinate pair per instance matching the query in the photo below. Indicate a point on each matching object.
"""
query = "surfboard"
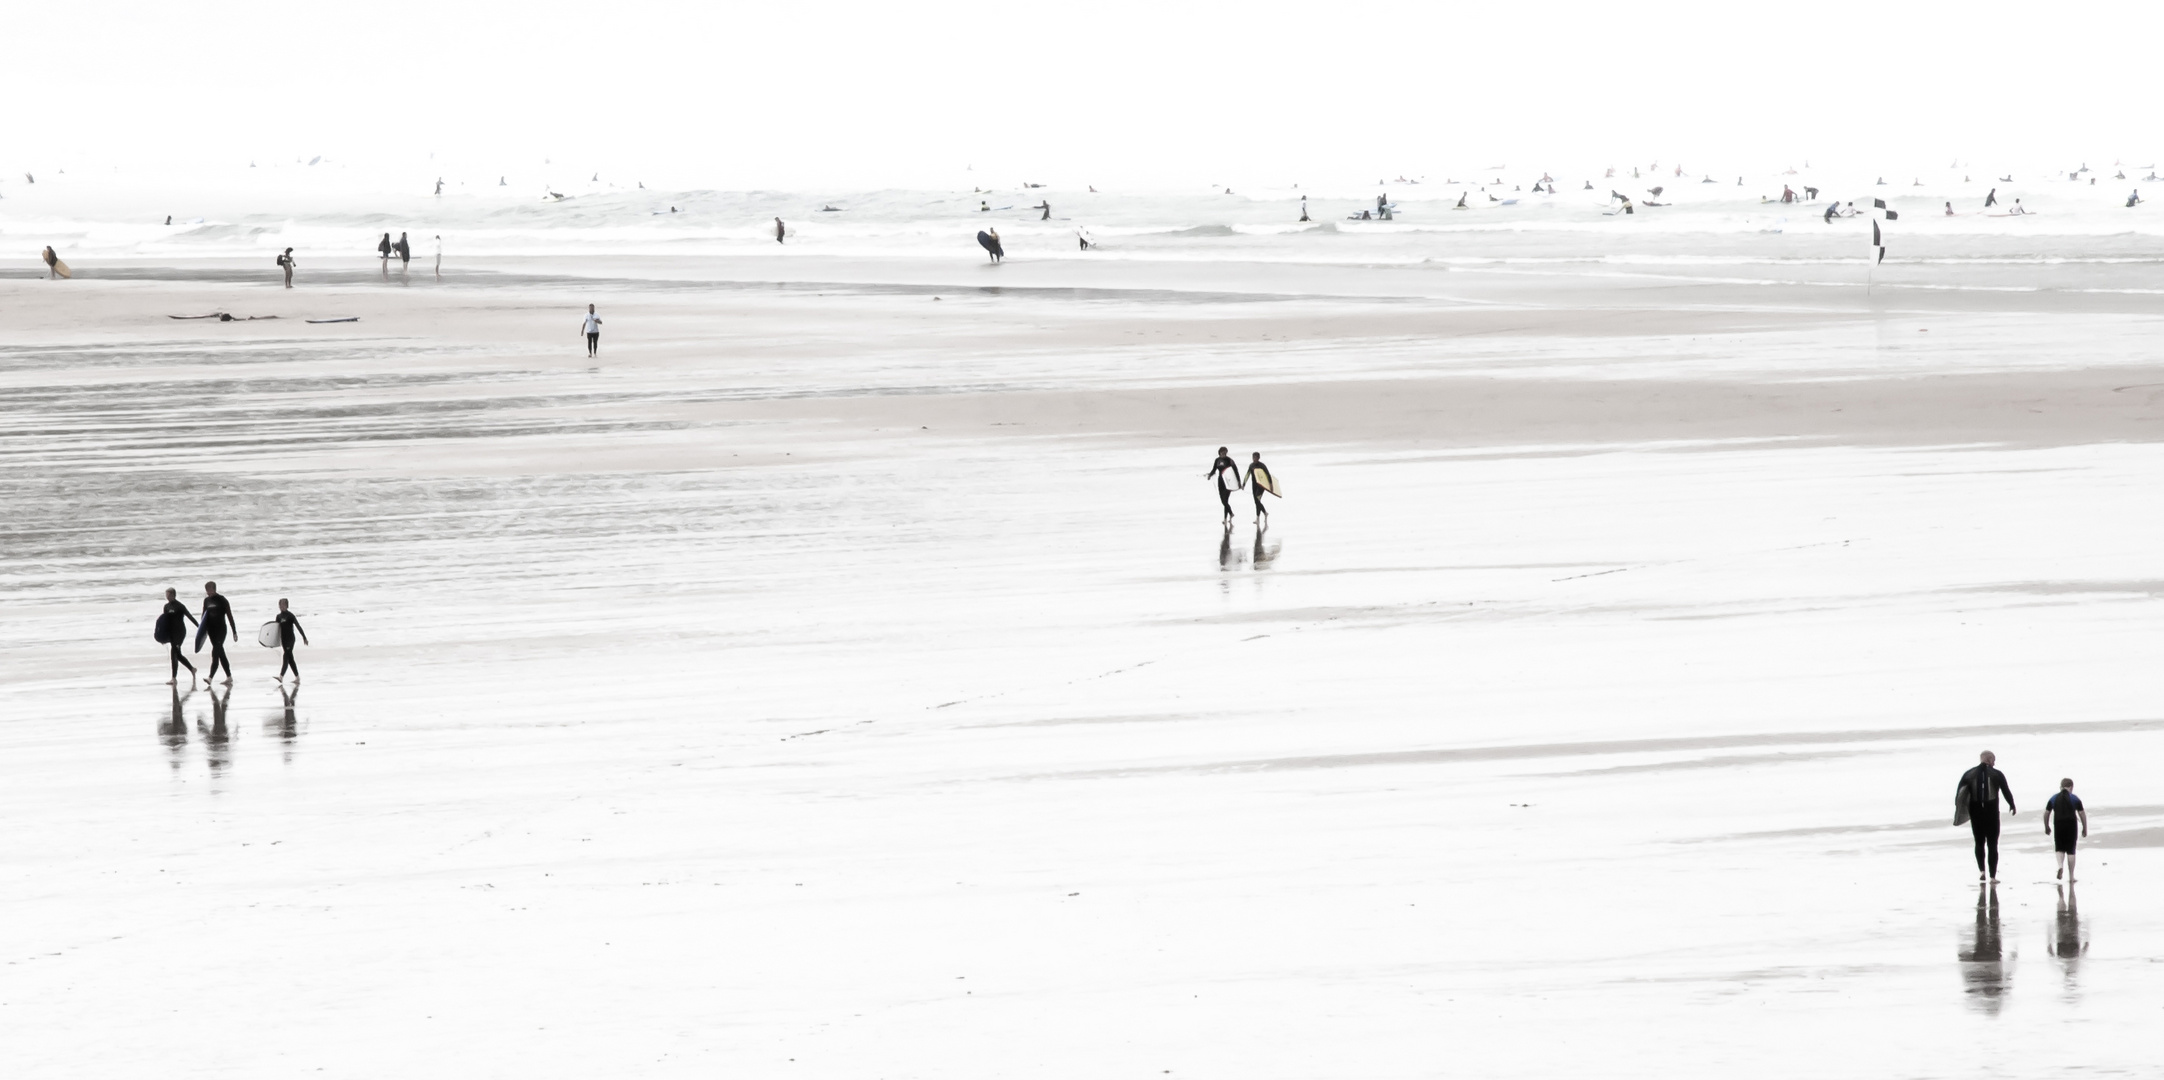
(202, 630)
(170, 629)
(267, 635)
(349, 318)
(61, 268)
(1263, 477)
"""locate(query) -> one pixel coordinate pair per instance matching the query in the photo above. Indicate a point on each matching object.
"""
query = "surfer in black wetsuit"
(1832, 208)
(289, 624)
(383, 248)
(1991, 198)
(1218, 469)
(172, 629)
(1254, 466)
(988, 239)
(781, 232)
(1976, 799)
(405, 252)
(217, 618)
(1045, 206)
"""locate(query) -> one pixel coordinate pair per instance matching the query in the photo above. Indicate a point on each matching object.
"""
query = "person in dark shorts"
(289, 624)
(172, 630)
(1976, 801)
(2061, 813)
(1218, 469)
(592, 329)
(285, 262)
(217, 619)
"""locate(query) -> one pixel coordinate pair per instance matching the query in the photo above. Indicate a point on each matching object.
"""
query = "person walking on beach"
(405, 252)
(1218, 469)
(383, 248)
(288, 625)
(217, 619)
(1259, 478)
(2061, 812)
(285, 262)
(52, 262)
(1976, 801)
(171, 631)
(592, 330)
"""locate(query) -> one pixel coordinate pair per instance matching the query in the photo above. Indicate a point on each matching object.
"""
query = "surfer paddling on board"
(592, 329)
(289, 624)
(1976, 801)
(217, 619)
(1218, 469)
(172, 629)
(1258, 476)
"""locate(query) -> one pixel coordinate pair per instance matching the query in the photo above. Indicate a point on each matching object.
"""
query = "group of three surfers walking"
(217, 619)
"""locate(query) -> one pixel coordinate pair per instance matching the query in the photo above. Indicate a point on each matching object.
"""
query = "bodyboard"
(170, 630)
(267, 635)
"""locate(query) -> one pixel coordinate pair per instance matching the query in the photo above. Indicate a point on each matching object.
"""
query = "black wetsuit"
(288, 625)
(1991, 199)
(1984, 785)
(1224, 494)
(173, 623)
(1251, 471)
(405, 251)
(2065, 809)
(217, 615)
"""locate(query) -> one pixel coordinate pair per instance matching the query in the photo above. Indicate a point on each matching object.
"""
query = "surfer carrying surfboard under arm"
(289, 624)
(1258, 477)
(1218, 469)
(172, 629)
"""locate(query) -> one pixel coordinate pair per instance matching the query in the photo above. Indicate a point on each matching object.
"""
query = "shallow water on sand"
(901, 708)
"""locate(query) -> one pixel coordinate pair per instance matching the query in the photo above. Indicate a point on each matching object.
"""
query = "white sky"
(734, 94)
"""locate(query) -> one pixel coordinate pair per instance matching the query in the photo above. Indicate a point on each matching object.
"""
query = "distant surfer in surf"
(1303, 208)
(2017, 208)
(285, 262)
(405, 252)
(1082, 235)
(1259, 478)
(172, 630)
(52, 263)
(592, 329)
(289, 624)
(2134, 200)
(217, 618)
(383, 248)
(1949, 209)
(989, 240)
(1045, 206)
(1991, 198)
(781, 232)
(1218, 469)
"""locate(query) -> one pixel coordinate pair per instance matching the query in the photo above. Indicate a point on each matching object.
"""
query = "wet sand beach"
(846, 674)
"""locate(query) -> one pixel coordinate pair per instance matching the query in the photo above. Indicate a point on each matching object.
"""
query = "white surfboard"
(267, 636)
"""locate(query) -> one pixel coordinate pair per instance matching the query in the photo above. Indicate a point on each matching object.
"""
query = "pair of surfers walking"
(216, 620)
(1257, 477)
(1976, 804)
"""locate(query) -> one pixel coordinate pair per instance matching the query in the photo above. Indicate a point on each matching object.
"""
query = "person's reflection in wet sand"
(173, 731)
(285, 726)
(216, 741)
(1226, 558)
(2067, 941)
(1986, 970)
(1264, 556)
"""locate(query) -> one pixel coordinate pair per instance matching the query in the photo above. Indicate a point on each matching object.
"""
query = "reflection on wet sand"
(173, 731)
(1227, 558)
(2068, 943)
(284, 724)
(1986, 970)
(1263, 556)
(217, 742)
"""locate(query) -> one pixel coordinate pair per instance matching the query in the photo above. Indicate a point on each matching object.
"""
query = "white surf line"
(1707, 558)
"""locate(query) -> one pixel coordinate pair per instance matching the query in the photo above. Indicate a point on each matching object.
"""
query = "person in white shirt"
(593, 332)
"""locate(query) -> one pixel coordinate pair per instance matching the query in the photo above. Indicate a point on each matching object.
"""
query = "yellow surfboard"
(1267, 482)
(61, 268)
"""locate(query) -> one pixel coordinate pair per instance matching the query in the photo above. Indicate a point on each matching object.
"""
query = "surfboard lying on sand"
(349, 318)
(267, 635)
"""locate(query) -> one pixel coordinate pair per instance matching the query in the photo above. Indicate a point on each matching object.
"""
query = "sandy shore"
(847, 673)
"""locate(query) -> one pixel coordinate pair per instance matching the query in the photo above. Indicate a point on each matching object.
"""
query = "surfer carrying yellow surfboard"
(1258, 476)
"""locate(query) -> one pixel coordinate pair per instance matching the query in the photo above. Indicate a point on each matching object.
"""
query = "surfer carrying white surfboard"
(289, 624)
(1218, 469)
(217, 619)
(172, 629)
(1258, 475)
(592, 330)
